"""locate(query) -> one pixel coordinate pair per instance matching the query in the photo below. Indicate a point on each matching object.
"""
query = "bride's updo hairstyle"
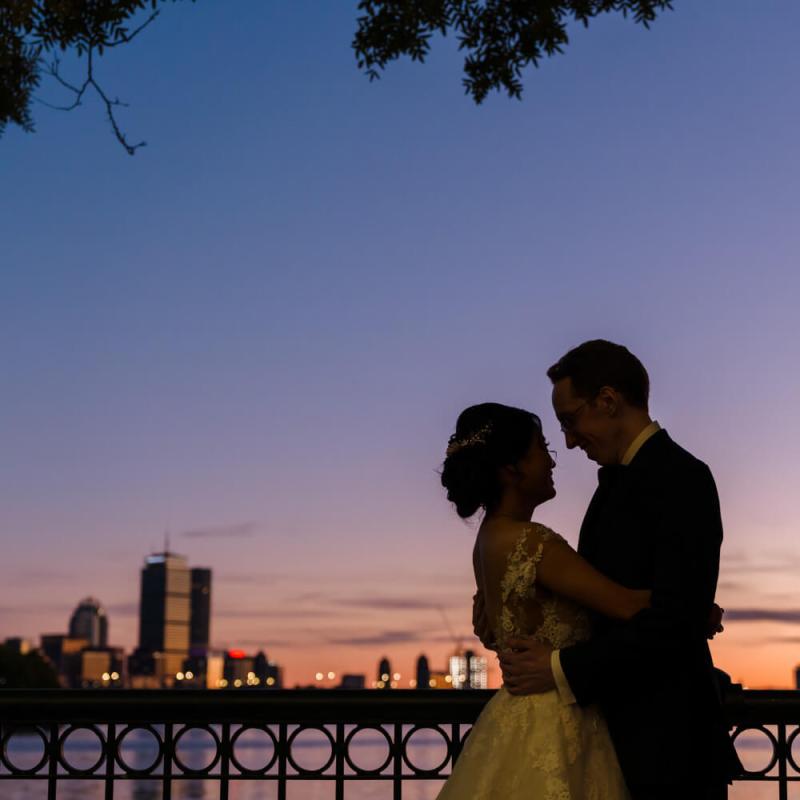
(488, 436)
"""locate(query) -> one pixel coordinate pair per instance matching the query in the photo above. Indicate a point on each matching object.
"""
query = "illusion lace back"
(533, 746)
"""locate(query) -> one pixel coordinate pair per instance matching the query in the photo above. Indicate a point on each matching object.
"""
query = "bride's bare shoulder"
(497, 536)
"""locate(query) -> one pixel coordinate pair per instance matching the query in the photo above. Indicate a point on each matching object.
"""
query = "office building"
(200, 625)
(165, 614)
(89, 621)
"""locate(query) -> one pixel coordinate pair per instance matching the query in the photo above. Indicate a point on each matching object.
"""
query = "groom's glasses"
(568, 420)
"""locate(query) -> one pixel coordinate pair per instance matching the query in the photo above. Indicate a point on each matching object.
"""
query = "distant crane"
(457, 640)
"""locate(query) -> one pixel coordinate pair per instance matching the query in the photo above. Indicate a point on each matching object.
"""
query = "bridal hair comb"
(478, 437)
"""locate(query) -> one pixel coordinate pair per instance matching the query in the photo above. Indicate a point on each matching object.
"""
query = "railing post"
(397, 783)
(225, 763)
(111, 748)
(783, 783)
(169, 754)
(282, 760)
(52, 771)
(340, 760)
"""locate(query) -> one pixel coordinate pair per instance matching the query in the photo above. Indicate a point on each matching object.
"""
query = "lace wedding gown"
(534, 746)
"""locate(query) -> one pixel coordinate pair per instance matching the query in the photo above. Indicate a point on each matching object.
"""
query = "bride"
(532, 584)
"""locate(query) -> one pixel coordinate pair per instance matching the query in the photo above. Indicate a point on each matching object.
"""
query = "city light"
(237, 683)
(319, 676)
(412, 683)
(189, 675)
(270, 681)
(114, 676)
(106, 676)
(331, 675)
(396, 676)
(180, 676)
(385, 677)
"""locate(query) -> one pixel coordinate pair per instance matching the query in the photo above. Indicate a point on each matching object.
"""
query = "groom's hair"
(598, 363)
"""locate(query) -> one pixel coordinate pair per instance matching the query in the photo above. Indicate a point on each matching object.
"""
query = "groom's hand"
(715, 625)
(527, 671)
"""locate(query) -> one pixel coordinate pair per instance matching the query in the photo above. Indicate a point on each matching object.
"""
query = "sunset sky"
(258, 332)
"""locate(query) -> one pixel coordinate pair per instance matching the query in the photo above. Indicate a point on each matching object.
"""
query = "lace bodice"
(529, 610)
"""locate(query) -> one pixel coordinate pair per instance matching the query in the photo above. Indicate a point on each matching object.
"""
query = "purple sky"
(258, 332)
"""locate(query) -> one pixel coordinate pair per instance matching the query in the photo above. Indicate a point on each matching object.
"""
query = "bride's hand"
(480, 624)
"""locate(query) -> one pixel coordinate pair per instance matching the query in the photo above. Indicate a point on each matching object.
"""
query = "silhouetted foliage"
(501, 37)
(28, 671)
(34, 32)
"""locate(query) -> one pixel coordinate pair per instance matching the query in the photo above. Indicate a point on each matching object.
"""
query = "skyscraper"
(384, 674)
(165, 611)
(89, 621)
(469, 671)
(201, 610)
(423, 673)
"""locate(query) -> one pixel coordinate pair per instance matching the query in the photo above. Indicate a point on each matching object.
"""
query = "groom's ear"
(609, 400)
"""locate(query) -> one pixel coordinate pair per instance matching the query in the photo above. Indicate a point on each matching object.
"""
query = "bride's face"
(535, 471)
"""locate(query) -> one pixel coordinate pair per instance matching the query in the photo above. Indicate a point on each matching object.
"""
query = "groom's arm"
(686, 534)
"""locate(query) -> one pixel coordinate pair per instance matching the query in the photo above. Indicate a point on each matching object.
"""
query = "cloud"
(389, 602)
(240, 530)
(762, 615)
(781, 639)
(257, 579)
(267, 643)
(778, 561)
(122, 609)
(274, 613)
(42, 608)
(385, 637)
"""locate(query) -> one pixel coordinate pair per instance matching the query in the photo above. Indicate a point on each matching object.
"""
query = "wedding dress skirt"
(533, 747)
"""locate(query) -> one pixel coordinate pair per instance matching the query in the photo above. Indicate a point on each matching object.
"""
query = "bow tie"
(610, 474)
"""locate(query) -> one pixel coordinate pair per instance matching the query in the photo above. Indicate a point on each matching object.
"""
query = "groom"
(653, 523)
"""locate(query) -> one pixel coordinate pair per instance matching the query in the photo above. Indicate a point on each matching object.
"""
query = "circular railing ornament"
(197, 771)
(368, 770)
(306, 770)
(252, 770)
(120, 758)
(448, 750)
(8, 762)
(773, 741)
(62, 757)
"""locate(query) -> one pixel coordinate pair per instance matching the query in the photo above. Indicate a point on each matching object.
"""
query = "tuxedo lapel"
(611, 492)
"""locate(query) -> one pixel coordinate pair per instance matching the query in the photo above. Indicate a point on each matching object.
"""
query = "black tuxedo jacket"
(655, 524)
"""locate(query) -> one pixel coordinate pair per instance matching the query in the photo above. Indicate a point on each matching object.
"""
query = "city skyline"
(259, 331)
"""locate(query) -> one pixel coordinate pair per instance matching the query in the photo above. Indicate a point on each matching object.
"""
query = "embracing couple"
(609, 691)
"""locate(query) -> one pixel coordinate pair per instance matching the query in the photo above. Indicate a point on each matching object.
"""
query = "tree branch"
(53, 69)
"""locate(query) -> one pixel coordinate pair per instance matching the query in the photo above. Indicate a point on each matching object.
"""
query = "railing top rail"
(360, 706)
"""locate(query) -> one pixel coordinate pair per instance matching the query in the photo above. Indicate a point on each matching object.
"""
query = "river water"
(254, 749)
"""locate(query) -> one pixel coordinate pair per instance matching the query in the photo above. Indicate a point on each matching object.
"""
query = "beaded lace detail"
(562, 622)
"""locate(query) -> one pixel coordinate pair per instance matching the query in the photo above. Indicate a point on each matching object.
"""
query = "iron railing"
(59, 736)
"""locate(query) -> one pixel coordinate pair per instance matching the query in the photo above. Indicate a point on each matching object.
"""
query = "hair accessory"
(479, 437)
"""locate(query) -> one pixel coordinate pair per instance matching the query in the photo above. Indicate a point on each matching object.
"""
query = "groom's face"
(583, 423)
